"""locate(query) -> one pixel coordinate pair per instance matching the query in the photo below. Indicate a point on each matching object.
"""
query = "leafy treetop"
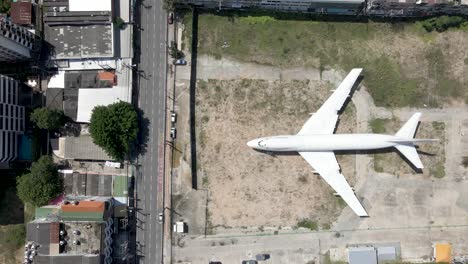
(114, 128)
(48, 119)
(42, 184)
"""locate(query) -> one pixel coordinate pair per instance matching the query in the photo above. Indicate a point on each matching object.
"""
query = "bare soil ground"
(249, 188)
(432, 154)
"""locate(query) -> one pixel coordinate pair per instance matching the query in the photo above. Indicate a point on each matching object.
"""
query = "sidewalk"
(168, 143)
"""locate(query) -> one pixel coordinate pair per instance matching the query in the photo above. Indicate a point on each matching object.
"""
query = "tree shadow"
(143, 132)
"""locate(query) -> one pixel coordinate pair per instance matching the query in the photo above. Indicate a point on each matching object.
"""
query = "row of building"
(371, 8)
(83, 59)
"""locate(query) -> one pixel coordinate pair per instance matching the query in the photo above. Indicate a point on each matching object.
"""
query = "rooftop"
(84, 206)
(83, 238)
(362, 255)
(79, 41)
(82, 148)
(21, 13)
(443, 252)
(68, 259)
(90, 5)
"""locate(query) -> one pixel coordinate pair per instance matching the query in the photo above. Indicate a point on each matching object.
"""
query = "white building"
(16, 42)
(11, 119)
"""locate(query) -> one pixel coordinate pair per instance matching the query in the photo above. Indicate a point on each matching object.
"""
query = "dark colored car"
(249, 261)
(170, 18)
(262, 256)
(215, 262)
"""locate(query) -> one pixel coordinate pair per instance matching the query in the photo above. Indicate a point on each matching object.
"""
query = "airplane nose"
(252, 143)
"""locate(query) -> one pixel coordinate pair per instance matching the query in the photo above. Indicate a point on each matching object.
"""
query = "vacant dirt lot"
(283, 188)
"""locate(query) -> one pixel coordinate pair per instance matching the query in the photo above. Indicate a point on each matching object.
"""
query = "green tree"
(48, 119)
(41, 185)
(5, 6)
(114, 128)
(119, 22)
(442, 23)
(169, 5)
(174, 52)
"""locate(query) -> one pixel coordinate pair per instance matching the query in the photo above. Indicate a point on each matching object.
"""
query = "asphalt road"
(151, 101)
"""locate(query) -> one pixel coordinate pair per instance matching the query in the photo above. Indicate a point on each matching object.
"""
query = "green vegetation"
(118, 22)
(307, 223)
(45, 118)
(378, 125)
(442, 23)
(343, 45)
(174, 52)
(16, 235)
(438, 171)
(326, 259)
(379, 159)
(440, 126)
(114, 128)
(40, 185)
(12, 238)
(5, 6)
(168, 5)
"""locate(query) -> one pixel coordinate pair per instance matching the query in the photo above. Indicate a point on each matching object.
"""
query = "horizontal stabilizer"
(409, 151)
(409, 128)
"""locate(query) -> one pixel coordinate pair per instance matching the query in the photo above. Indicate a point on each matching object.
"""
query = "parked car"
(249, 261)
(180, 62)
(173, 132)
(161, 218)
(215, 262)
(262, 256)
(173, 117)
(170, 18)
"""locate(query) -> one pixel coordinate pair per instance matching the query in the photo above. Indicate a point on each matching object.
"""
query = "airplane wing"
(324, 120)
(326, 165)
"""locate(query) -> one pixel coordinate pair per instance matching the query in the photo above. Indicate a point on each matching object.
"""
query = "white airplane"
(316, 142)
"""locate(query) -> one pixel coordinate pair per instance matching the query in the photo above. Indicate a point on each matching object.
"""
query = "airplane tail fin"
(406, 144)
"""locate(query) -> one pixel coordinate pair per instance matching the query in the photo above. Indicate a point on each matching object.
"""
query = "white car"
(173, 117)
(173, 132)
(161, 218)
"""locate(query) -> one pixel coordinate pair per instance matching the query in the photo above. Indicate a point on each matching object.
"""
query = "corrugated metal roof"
(82, 216)
(21, 13)
(362, 255)
(386, 253)
(85, 206)
(83, 148)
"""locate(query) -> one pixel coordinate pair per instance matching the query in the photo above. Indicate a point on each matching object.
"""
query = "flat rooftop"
(80, 41)
(87, 240)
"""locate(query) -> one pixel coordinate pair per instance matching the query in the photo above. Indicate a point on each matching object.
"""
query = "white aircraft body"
(316, 142)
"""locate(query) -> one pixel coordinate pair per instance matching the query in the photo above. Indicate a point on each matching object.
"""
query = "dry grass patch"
(249, 188)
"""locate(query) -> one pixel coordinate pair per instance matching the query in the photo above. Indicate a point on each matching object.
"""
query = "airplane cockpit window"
(261, 143)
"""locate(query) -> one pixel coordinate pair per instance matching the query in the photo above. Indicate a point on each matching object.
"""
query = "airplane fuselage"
(327, 142)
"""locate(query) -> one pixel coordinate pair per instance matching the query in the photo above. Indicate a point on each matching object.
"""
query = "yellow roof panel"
(443, 252)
